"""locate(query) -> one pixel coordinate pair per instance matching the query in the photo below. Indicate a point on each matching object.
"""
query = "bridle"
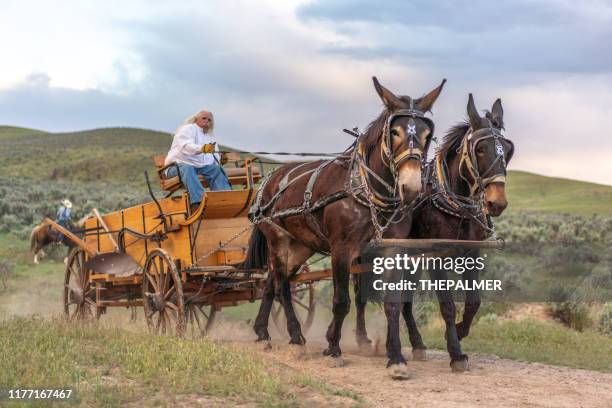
(415, 151)
(469, 160)
(360, 185)
(473, 205)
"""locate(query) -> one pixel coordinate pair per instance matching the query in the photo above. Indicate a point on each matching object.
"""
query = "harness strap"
(310, 218)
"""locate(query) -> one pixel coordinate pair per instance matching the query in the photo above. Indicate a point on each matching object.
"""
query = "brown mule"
(469, 169)
(297, 216)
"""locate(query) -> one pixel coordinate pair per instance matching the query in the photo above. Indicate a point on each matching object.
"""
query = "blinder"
(469, 158)
(415, 150)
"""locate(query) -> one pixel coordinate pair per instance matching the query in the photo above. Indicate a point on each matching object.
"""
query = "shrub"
(605, 320)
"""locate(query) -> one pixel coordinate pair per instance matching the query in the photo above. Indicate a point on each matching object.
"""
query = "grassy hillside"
(528, 191)
(120, 156)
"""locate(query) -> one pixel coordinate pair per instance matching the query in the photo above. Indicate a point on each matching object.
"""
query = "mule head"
(407, 137)
(490, 154)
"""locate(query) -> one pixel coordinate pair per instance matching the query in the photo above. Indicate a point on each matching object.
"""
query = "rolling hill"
(119, 156)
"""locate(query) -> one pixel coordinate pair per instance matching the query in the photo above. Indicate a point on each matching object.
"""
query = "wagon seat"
(236, 168)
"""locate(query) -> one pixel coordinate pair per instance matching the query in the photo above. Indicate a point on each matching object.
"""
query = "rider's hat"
(66, 203)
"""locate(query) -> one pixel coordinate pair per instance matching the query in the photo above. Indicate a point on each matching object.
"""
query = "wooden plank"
(91, 251)
(110, 236)
(119, 303)
(440, 243)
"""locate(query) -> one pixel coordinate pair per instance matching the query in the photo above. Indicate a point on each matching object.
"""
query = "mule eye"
(480, 151)
(394, 133)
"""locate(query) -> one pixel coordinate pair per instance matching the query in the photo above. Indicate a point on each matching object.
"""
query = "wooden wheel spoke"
(158, 323)
(197, 318)
(169, 292)
(152, 280)
(172, 306)
(91, 302)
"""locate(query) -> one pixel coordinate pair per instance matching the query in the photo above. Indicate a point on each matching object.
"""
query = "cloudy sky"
(289, 75)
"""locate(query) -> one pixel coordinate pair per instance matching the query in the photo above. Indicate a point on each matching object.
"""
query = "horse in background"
(44, 234)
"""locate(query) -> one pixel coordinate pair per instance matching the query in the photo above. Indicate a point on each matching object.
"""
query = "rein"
(471, 206)
(358, 185)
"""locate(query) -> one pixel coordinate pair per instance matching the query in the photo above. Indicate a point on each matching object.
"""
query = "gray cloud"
(504, 35)
(277, 86)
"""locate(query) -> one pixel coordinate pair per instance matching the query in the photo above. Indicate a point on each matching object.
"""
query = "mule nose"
(409, 194)
(496, 207)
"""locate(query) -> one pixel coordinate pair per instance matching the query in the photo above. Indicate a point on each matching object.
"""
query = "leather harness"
(358, 184)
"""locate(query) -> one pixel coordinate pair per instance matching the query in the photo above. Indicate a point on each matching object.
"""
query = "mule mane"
(453, 138)
(374, 130)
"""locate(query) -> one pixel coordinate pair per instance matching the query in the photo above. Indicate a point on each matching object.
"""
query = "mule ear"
(497, 113)
(473, 114)
(391, 101)
(426, 102)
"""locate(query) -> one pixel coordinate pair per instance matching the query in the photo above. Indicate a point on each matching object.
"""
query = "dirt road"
(491, 381)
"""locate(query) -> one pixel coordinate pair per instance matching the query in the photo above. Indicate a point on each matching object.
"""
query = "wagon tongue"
(113, 263)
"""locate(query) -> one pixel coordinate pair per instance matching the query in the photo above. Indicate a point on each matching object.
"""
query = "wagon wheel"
(78, 293)
(201, 318)
(162, 295)
(303, 299)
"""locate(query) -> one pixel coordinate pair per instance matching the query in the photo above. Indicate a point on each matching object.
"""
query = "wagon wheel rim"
(304, 304)
(200, 318)
(78, 292)
(162, 294)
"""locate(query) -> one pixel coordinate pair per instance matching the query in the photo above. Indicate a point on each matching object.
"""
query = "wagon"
(180, 265)
(184, 266)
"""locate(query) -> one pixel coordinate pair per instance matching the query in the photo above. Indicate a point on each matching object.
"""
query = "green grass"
(530, 340)
(109, 366)
(528, 191)
(121, 155)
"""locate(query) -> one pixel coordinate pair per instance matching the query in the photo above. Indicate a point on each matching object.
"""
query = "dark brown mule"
(342, 225)
(466, 186)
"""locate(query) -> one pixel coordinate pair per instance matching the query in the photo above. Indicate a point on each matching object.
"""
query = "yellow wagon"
(181, 266)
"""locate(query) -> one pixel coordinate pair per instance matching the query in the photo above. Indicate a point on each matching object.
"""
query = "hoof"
(419, 355)
(262, 336)
(460, 366)
(298, 341)
(267, 346)
(336, 362)
(332, 352)
(398, 371)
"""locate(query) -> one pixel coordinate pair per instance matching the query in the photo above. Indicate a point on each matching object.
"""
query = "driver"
(194, 151)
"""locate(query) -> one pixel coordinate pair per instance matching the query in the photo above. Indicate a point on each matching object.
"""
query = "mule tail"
(257, 253)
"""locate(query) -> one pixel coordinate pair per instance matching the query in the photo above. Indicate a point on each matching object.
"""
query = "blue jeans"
(213, 175)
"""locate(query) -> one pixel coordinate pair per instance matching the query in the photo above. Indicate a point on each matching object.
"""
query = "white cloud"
(277, 81)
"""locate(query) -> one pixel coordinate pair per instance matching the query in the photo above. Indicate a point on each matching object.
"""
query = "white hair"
(192, 119)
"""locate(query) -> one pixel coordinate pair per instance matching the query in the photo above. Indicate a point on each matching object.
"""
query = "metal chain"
(223, 244)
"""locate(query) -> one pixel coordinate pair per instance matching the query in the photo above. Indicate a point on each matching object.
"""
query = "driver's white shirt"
(187, 144)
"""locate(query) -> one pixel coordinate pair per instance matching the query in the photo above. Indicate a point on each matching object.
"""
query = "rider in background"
(194, 151)
(63, 216)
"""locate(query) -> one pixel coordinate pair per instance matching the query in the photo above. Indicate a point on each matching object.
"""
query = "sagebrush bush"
(605, 320)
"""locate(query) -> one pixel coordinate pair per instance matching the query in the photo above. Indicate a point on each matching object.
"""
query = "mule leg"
(261, 322)
(394, 344)
(361, 333)
(459, 361)
(418, 347)
(293, 324)
(472, 304)
(341, 304)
